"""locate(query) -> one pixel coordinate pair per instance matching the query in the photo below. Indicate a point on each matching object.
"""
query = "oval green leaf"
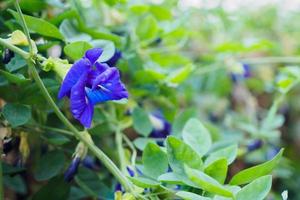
(197, 136)
(180, 153)
(248, 175)
(258, 189)
(155, 161)
(207, 183)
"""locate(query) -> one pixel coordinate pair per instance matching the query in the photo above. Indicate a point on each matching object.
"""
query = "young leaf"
(155, 161)
(144, 182)
(178, 76)
(217, 170)
(252, 173)
(39, 26)
(197, 136)
(170, 178)
(207, 183)
(180, 153)
(141, 122)
(16, 114)
(258, 189)
(147, 29)
(229, 153)
(76, 50)
(191, 196)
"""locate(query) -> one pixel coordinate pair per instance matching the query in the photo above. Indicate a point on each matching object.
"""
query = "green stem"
(15, 49)
(131, 146)
(271, 60)
(120, 149)
(92, 147)
(1, 178)
(24, 25)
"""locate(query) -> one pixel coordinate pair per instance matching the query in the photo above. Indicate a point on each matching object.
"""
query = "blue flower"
(161, 127)
(72, 169)
(90, 82)
(254, 145)
(244, 74)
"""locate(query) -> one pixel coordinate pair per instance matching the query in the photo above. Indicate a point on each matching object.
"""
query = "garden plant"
(148, 100)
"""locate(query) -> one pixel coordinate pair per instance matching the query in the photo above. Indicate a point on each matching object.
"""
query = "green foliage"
(252, 173)
(16, 114)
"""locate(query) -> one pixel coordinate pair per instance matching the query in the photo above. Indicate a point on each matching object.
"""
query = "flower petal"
(115, 58)
(109, 87)
(73, 75)
(81, 108)
(93, 54)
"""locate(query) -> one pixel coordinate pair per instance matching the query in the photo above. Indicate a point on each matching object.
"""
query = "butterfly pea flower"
(89, 82)
(72, 169)
(254, 145)
(161, 127)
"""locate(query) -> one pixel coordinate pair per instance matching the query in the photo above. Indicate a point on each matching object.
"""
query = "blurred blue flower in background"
(161, 127)
(242, 72)
(254, 145)
(89, 82)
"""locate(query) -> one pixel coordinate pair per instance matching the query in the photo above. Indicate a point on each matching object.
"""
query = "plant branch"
(92, 147)
(24, 25)
(15, 49)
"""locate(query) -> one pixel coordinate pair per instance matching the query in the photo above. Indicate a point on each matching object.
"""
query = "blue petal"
(107, 86)
(73, 75)
(81, 108)
(72, 169)
(93, 54)
(115, 58)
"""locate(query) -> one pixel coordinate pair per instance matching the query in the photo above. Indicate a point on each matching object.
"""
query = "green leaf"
(207, 183)
(144, 182)
(147, 28)
(39, 26)
(57, 188)
(15, 183)
(16, 63)
(141, 121)
(49, 165)
(155, 161)
(170, 178)
(248, 175)
(178, 76)
(181, 120)
(16, 114)
(108, 49)
(141, 142)
(180, 153)
(56, 139)
(76, 50)
(217, 170)
(190, 196)
(14, 78)
(71, 34)
(229, 153)
(197, 136)
(258, 189)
